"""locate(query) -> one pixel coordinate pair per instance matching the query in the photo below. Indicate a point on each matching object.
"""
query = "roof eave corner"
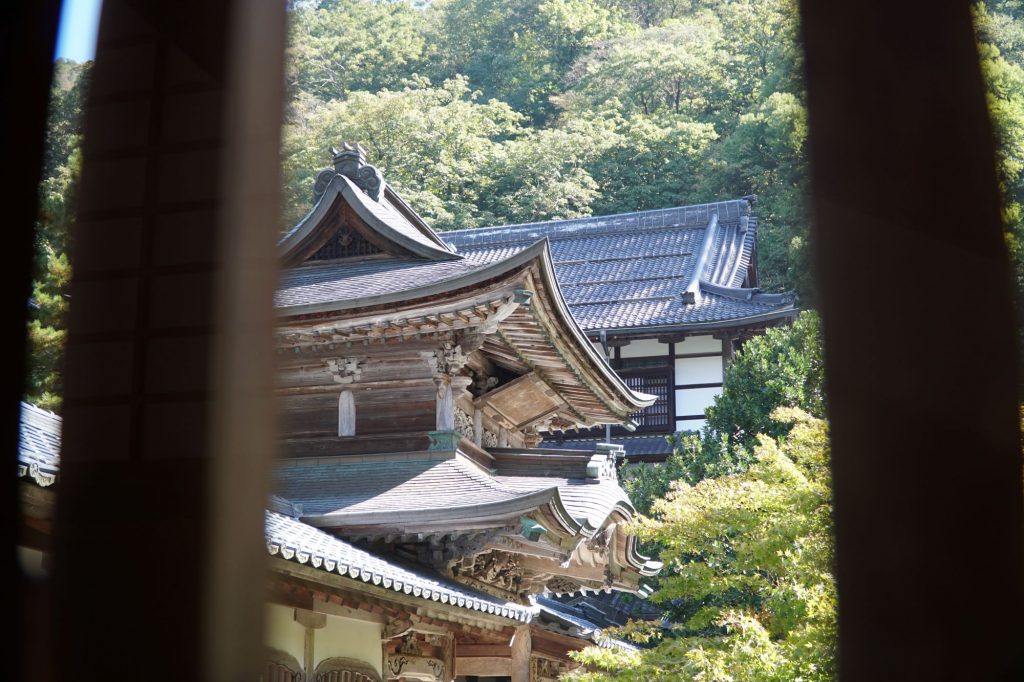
(622, 394)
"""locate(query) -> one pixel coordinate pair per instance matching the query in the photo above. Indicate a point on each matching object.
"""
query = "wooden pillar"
(925, 439)
(312, 622)
(169, 415)
(478, 427)
(346, 414)
(27, 36)
(445, 405)
(521, 648)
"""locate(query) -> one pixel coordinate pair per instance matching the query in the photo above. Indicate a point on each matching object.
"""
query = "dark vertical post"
(158, 523)
(907, 236)
(28, 33)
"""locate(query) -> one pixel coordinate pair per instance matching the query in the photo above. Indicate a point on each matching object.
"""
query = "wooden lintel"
(482, 666)
(340, 611)
(484, 650)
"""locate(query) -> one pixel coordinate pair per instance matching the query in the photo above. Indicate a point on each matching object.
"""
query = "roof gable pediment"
(357, 214)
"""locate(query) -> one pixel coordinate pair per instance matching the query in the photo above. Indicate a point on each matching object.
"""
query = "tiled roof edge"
(728, 211)
(422, 588)
(754, 295)
(44, 473)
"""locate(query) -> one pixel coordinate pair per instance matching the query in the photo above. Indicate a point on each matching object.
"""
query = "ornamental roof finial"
(350, 161)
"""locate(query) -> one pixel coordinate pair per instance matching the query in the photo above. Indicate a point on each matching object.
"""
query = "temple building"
(669, 295)
(445, 506)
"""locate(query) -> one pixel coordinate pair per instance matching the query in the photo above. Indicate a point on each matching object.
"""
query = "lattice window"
(345, 243)
(343, 669)
(281, 667)
(657, 382)
(275, 672)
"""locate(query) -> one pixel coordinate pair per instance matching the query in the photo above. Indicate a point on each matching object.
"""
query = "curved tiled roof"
(629, 271)
(409, 491)
(565, 619)
(296, 541)
(334, 282)
(589, 501)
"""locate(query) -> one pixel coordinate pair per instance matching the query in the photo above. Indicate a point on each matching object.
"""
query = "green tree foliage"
(482, 111)
(1000, 31)
(783, 368)
(680, 68)
(749, 560)
(340, 46)
(518, 52)
(62, 162)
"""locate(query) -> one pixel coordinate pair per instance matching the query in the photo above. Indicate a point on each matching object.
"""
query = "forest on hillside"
(488, 112)
(485, 112)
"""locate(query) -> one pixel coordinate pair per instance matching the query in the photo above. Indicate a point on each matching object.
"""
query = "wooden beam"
(483, 666)
(485, 650)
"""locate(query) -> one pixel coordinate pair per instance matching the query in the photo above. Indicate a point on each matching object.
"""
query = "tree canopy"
(748, 581)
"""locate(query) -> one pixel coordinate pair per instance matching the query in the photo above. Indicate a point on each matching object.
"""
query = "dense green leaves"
(748, 578)
(784, 367)
(62, 161)
(482, 111)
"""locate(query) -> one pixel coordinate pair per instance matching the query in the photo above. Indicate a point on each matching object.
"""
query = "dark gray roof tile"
(344, 281)
(381, 485)
(629, 271)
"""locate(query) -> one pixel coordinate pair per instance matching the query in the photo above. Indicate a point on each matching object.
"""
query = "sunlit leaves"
(754, 550)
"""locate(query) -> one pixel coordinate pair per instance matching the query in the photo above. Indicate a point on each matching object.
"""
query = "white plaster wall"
(698, 370)
(280, 631)
(699, 344)
(642, 348)
(690, 424)
(695, 400)
(357, 639)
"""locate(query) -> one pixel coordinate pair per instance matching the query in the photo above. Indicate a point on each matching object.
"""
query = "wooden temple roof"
(337, 304)
(669, 269)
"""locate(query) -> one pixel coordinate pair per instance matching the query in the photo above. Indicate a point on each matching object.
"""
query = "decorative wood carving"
(449, 360)
(396, 628)
(499, 569)
(464, 424)
(599, 543)
(343, 669)
(560, 585)
(547, 670)
(409, 663)
(420, 668)
(345, 370)
(281, 667)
